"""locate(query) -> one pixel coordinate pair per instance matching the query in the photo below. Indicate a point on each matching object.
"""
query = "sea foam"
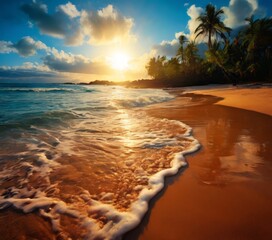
(98, 162)
(117, 222)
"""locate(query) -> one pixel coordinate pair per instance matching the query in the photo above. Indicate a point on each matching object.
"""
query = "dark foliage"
(247, 57)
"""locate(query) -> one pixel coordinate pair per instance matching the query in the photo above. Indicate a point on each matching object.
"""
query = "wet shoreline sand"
(225, 193)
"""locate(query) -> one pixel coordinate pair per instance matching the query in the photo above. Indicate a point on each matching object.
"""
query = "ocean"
(87, 159)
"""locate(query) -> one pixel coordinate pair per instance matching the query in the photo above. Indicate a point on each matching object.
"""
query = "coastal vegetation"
(229, 58)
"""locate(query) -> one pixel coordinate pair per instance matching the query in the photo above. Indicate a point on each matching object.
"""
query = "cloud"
(169, 48)
(27, 71)
(67, 62)
(193, 12)
(5, 47)
(61, 24)
(238, 10)
(25, 47)
(99, 27)
(70, 10)
(106, 26)
(54, 60)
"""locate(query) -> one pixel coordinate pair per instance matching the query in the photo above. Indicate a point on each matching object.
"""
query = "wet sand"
(225, 193)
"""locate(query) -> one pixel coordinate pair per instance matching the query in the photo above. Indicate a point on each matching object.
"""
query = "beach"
(136, 120)
(95, 169)
(225, 193)
(254, 97)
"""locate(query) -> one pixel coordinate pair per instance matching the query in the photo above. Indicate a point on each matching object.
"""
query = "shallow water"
(86, 159)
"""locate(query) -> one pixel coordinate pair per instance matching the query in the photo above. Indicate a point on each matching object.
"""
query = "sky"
(82, 41)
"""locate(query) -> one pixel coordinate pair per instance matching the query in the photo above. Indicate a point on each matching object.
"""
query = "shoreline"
(234, 158)
(254, 97)
(225, 192)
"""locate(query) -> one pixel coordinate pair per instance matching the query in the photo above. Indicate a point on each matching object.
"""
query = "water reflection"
(245, 159)
(236, 144)
(128, 126)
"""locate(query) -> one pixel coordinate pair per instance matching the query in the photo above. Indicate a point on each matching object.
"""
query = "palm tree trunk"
(210, 40)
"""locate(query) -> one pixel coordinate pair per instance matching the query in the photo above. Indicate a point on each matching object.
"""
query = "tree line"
(237, 59)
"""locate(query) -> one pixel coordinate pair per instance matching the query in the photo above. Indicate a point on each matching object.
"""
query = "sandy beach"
(254, 97)
(225, 193)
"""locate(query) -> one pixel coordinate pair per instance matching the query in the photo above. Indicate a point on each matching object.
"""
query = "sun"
(119, 61)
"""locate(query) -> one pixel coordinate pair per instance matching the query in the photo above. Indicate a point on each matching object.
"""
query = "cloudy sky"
(82, 40)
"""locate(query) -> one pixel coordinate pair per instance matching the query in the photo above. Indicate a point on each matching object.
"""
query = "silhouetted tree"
(155, 67)
(172, 68)
(191, 56)
(180, 52)
(211, 25)
(257, 40)
(246, 57)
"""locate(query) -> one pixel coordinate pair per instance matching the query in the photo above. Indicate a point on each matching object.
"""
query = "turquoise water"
(90, 153)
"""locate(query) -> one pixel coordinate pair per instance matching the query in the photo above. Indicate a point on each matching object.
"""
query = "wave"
(140, 101)
(44, 90)
(101, 217)
(48, 119)
(92, 157)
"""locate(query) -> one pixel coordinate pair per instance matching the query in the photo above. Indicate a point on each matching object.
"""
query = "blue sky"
(99, 39)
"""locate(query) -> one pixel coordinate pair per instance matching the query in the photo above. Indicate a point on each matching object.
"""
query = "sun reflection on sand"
(245, 158)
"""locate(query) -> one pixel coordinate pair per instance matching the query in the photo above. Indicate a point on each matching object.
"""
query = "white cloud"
(67, 62)
(167, 48)
(64, 23)
(55, 60)
(178, 34)
(70, 10)
(193, 12)
(106, 26)
(6, 47)
(28, 71)
(25, 47)
(238, 10)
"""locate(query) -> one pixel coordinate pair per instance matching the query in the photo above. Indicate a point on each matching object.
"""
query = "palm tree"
(180, 52)
(172, 68)
(191, 54)
(211, 25)
(258, 35)
(155, 67)
(257, 40)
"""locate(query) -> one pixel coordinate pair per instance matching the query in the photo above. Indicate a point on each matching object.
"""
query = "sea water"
(86, 158)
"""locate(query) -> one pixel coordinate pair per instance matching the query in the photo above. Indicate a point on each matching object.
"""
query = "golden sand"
(225, 193)
(257, 98)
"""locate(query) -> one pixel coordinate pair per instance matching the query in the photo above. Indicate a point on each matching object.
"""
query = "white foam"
(122, 222)
(114, 229)
(140, 101)
(37, 90)
(134, 134)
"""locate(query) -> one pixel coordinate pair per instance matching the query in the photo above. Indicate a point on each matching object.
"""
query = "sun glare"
(119, 61)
